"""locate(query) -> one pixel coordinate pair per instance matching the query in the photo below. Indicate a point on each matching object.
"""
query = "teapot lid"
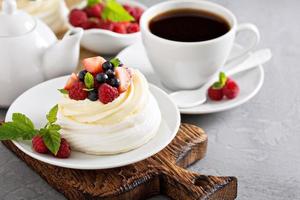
(14, 22)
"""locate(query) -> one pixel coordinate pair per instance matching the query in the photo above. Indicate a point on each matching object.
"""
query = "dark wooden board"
(162, 173)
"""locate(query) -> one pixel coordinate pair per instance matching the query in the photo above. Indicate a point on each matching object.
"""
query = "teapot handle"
(9, 6)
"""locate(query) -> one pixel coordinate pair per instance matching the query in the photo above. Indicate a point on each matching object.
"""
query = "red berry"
(215, 94)
(77, 17)
(39, 145)
(107, 25)
(133, 28)
(64, 149)
(73, 79)
(231, 89)
(119, 28)
(138, 13)
(94, 11)
(77, 91)
(93, 64)
(124, 76)
(107, 93)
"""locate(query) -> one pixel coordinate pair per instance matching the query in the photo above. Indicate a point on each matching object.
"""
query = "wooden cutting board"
(163, 173)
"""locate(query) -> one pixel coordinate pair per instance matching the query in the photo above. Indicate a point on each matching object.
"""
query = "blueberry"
(110, 73)
(107, 66)
(82, 74)
(114, 82)
(93, 95)
(101, 78)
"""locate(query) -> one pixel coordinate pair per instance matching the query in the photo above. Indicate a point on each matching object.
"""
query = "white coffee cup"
(187, 65)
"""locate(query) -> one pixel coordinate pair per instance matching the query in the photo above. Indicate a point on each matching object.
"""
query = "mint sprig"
(221, 82)
(115, 12)
(116, 62)
(63, 91)
(21, 127)
(89, 80)
(91, 3)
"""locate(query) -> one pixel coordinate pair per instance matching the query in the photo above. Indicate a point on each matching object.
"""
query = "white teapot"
(30, 52)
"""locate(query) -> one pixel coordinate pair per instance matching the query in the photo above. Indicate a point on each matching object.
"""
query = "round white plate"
(249, 81)
(37, 101)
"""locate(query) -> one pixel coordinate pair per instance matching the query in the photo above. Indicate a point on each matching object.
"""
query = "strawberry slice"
(124, 76)
(93, 64)
(73, 79)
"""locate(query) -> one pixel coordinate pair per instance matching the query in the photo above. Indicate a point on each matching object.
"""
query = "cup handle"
(255, 40)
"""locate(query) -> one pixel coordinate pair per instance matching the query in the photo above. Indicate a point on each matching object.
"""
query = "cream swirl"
(128, 122)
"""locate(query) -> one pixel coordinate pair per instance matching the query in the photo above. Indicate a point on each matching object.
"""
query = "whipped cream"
(128, 122)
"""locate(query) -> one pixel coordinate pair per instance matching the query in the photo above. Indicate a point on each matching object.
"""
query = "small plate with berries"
(224, 94)
(38, 124)
(109, 25)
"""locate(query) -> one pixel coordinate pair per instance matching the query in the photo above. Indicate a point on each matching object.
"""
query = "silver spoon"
(191, 98)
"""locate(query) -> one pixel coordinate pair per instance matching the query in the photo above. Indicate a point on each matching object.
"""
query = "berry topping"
(93, 95)
(133, 28)
(73, 79)
(64, 149)
(77, 91)
(77, 17)
(38, 145)
(101, 78)
(107, 93)
(94, 11)
(93, 64)
(215, 94)
(231, 89)
(110, 73)
(124, 76)
(223, 87)
(107, 65)
(81, 75)
(119, 28)
(114, 82)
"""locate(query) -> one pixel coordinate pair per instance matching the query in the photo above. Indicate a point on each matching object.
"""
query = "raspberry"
(133, 28)
(77, 92)
(107, 25)
(215, 94)
(77, 17)
(39, 145)
(231, 89)
(137, 13)
(64, 149)
(119, 28)
(94, 11)
(107, 93)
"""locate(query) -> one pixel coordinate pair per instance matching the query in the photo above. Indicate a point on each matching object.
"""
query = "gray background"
(258, 142)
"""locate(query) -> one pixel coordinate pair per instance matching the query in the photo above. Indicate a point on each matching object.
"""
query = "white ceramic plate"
(249, 81)
(37, 101)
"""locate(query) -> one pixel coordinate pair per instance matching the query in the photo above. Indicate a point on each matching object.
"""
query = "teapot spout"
(62, 57)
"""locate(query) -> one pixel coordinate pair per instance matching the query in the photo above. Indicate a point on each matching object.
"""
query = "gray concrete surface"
(259, 142)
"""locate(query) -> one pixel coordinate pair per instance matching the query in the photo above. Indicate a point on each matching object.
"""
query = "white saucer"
(37, 101)
(250, 81)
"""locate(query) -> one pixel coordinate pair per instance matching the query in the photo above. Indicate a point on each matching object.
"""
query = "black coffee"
(188, 25)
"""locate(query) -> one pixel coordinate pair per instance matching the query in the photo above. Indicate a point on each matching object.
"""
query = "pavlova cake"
(107, 108)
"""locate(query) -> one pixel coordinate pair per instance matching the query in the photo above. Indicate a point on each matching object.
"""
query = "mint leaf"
(88, 90)
(115, 12)
(21, 127)
(63, 91)
(222, 78)
(91, 3)
(52, 115)
(51, 138)
(89, 80)
(116, 62)
(217, 85)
